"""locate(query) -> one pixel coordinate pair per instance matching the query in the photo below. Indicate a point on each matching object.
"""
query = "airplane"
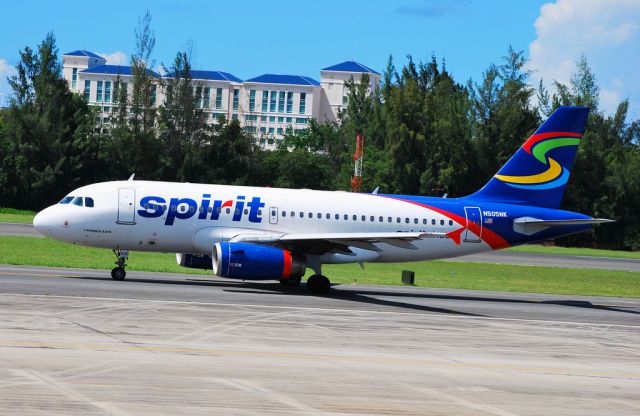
(253, 233)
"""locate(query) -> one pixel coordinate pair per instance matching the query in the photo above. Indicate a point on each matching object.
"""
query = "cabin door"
(473, 232)
(126, 206)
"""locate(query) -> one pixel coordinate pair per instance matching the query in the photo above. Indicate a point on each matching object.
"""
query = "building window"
(303, 102)
(218, 98)
(206, 97)
(87, 90)
(271, 130)
(252, 100)
(99, 92)
(234, 116)
(281, 102)
(153, 94)
(289, 102)
(107, 91)
(272, 119)
(74, 78)
(265, 101)
(263, 130)
(345, 100)
(272, 104)
(236, 98)
(280, 119)
(263, 118)
(301, 120)
(279, 130)
(289, 119)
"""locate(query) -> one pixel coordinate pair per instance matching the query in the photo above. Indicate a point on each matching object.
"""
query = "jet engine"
(256, 262)
(194, 261)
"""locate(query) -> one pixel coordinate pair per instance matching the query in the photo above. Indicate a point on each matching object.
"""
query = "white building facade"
(266, 106)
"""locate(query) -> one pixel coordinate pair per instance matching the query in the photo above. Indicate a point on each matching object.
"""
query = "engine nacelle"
(256, 262)
(194, 261)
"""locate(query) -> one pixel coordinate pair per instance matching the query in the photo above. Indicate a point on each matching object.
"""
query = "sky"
(249, 38)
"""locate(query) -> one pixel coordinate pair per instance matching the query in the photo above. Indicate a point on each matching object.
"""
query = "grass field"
(576, 251)
(477, 276)
(16, 216)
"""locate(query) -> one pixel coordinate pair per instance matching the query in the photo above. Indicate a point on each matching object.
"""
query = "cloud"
(607, 32)
(115, 58)
(6, 70)
(433, 8)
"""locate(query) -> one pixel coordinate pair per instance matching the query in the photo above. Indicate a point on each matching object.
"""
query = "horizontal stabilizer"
(530, 226)
(577, 221)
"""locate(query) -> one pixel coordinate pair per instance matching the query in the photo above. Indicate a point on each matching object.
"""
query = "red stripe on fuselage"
(531, 141)
(494, 240)
(286, 268)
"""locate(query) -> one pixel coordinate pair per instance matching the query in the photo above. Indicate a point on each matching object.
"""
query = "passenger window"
(77, 201)
(441, 222)
(337, 216)
(372, 218)
(228, 210)
(398, 220)
(293, 214)
(433, 222)
(363, 218)
(450, 222)
(346, 217)
(284, 213)
(193, 209)
(311, 215)
(210, 209)
(328, 216)
(381, 219)
(319, 216)
(389, 219)
(406, 220)
(219, 210)
(415, 220)
(273, 213)
(246, 211)
(355, 218)
(66, 200)
(301, 214)
(424, 221)
(88, 202)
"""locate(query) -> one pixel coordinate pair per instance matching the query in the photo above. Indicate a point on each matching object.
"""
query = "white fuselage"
(130, 215)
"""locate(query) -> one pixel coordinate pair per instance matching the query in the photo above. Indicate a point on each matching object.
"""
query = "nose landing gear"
(118, 273)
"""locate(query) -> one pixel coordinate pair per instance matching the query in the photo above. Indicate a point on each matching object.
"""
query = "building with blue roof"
(267, 105)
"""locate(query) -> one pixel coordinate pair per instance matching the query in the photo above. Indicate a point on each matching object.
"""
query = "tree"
(49, 145)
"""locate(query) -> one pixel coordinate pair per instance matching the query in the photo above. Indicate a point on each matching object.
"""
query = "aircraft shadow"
(370, 296)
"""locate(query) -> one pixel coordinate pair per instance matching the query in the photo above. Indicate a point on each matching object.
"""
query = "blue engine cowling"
(194, 261)
(256, 262)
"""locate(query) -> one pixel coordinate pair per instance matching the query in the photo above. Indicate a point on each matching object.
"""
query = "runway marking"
(40, 274)
(69, 392)
(461, 401)
(304, 356)
(339, 310)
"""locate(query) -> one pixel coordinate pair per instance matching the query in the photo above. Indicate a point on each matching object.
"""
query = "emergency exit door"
(126, 206)
(273, 215)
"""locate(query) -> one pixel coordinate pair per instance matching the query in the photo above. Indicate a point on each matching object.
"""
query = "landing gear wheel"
(118, 273)
(318, 284)
(291, 282)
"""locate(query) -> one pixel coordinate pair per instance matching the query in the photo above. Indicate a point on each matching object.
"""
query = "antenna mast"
(356, 182)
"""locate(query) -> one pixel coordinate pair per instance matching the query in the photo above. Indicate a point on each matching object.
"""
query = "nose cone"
(43, 221)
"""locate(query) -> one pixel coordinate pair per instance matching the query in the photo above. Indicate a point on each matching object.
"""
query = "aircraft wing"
(320, 243)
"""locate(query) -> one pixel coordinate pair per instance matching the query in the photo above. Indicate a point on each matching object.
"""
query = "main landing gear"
(118, 273)
(318, 284)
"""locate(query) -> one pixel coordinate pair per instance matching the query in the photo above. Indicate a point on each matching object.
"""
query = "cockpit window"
(77, 201)
(88, 202)
(66, 199)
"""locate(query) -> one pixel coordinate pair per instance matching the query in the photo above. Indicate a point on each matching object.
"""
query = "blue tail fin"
(538, 172)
